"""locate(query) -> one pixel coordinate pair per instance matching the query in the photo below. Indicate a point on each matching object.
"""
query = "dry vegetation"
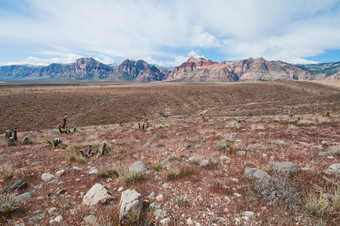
(246, 122)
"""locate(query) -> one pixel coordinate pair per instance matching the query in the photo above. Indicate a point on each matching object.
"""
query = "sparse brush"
(157, 166)
(174, 158)
(7, 204)
(72, 158)
(133, 216)
(173, 174)
(104, 173)
(180, 200)
(129, 177)
(227, 146)
(49, 143)
(63, 146)
(6, 174)
(64, 206)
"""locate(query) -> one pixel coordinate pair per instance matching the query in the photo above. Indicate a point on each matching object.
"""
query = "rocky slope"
(193, 70)
(245, 70)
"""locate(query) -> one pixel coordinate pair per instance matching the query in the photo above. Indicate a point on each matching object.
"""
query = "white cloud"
(276, 30)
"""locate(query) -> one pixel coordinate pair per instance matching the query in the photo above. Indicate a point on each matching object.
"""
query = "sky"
(167, 32)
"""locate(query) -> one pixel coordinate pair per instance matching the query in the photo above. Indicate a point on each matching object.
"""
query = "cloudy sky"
(167, 32)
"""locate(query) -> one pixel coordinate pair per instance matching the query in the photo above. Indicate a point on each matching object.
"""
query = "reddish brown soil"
(199, 115)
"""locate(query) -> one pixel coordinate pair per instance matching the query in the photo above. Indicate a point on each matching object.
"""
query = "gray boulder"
(47, 177)
(23, 197)
(130, 200)
(138, 167)
(334, 168)
(13, 185)
(283, 167)
(97, 194)
(255, 173)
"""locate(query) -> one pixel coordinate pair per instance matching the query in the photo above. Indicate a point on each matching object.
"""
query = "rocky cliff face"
(193, 70)
(245, 70)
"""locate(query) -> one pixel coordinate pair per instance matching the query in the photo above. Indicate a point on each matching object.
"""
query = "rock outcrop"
(130, 200)
(97, 194)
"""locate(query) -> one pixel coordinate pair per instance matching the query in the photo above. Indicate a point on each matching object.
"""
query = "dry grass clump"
(7, 205)
(106, 172)
(175, 173)
(128, 177)
(228, 147)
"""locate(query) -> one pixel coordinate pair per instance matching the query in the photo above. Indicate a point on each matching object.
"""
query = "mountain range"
(193, 70)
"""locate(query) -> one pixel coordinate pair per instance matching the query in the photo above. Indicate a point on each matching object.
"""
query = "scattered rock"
(195, 160)
(120, 189)
(36, 218)
(334, 168)
(225, 159)
(90, 219)
(334, 149)
(138, 167)
(204, 163)
(130, 200)
(159, 213)
(159, 197)
(47, 177)
(14, 185)
(98, 193)
(189, 221)
(256, 173)
(255, 146)
(288, 167)
(279, 142)
(52, 211)
(248, 213)
(93, 170)
(23, 197)
(60, 172)
(165, 221)
(166, 185)
(57, 219)
(241, 152)
(154, 205)
(152, 195)
(324, 154)
(77, 168)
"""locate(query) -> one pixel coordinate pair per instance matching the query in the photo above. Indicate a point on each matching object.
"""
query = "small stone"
(120, 189)
(189, 221)
(77, 168)
(52, 210)
(278, 142)
(36, 218)
(55, 180)
(204, 163)
(166, 185)
(97, 194)
(47, 177)
(57, 219)
(323, 154)
(60, 173)
(14, 185)
(159, 197)
(23, 197)
(289, 167)
(93, 170)
(138, 167)
(129, 200)
(159, 213)
(155, 206)
(237, 194)
(248, 213)
(152, 195)
(334, 168)
(225, 159)
(90, 219)
(241, 153)
(165, 221)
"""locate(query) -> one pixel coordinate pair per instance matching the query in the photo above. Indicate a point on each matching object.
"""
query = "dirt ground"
(228, 126)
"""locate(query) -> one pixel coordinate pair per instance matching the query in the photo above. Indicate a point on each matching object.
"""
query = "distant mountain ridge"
(193, 70)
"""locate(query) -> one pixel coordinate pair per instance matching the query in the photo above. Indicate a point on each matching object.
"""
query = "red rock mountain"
(244, 70)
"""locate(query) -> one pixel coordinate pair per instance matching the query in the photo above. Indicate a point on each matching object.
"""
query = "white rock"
(225, 159)
(138, 167)
(130, 200)
(52, 210)
(159, 197)
(98, 193)
(248, 213)
(47, 177)
(288, 167)
(334, 168)
(60, 173)
(152, 195)
(256, 173)
(165, 221)
(93, 170)
(189, 221)
(120, 189)
(204, 163)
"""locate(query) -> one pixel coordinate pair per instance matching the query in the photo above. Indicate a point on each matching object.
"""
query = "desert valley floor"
(262, 153)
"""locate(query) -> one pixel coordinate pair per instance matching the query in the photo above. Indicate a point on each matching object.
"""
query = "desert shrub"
(226, 146)
(6, 174)
(49, 143)
(63, 146)
(104, 173)
(173, 174)
(64, 206)
(324, 204)
(7, 204)
(280, 188)
(133, 216)
(129, 177)
(157, 166)
(180, 200)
